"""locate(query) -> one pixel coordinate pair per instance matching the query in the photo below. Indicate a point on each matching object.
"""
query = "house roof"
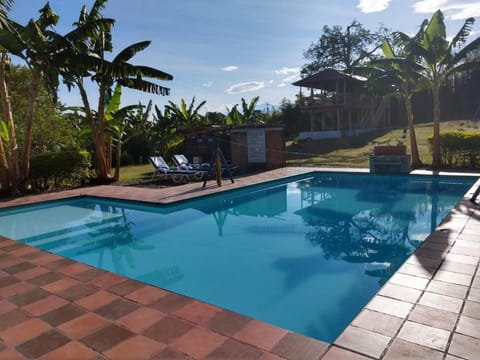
(327, 78)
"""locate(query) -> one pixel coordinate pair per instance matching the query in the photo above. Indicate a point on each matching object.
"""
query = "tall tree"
(439, 59)
(32, 44)
(89, 61)
(343, 49)
(396, 74)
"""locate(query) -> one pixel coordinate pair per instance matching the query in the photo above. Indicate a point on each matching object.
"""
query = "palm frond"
(127, 53)
(145, 86)
(153, 73)
(461, 38)
(462, 54)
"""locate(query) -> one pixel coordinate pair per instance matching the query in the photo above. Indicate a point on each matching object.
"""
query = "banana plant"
(438, 59)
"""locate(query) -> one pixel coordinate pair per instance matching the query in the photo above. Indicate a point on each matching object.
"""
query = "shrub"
(459, 148)
(66, 168)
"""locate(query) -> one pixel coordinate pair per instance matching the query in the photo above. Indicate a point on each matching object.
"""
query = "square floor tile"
(14, 269)
(83, 325)
(62, 314)
(171, 354)
(198, 342)
(260, 334)
(96, 300)
(399, 292)
(106, 338)
(197, 312)
(12, 318)
(469, 326)
(464, 346)
(441, 302)
(296, 346)
(378, 322)
(167, 330)
(45, 279)
(400, 349)
(141, 319)
(79, 291)
(390, 306)
(363, 341)
(472, 309)
(436, 318)
(24, 331)
(147, 295)
(45, 305)
(60, 285)
(117, 309)
(106, 280)
(42, 344)
(447, 289)
(136, 347)
(424, 335)
(71, 351)
(126, 287)
(336, 353)
(29, 297)
(171, 303)
(227, 323)
(232, 349)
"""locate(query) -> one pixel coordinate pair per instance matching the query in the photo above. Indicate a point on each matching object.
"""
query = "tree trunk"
(100, 158)
(10, 156)
(416, 162)
(27, 139)
(118, 155)
(436, 160)
(101, 127)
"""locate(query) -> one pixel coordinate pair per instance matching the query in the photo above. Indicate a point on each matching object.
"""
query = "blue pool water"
(305, 254)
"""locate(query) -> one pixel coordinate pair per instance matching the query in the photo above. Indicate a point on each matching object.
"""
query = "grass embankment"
(354, 152)
(351, 152)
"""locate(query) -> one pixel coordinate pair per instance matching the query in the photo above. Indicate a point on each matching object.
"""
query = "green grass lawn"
(136, 172)
(354, 152)
(351, 152)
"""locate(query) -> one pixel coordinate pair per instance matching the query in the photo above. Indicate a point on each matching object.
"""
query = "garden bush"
(65, 168)
(459, 148)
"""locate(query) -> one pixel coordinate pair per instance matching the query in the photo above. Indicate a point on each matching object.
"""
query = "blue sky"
(221, 51)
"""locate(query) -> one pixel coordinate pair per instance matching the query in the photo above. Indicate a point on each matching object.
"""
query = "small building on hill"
(339, 106)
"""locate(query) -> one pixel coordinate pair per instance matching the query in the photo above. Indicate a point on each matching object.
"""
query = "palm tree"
(89, 61)
(249, 114)
(396, 75)
(4, 8)
(186, 117)
(438, 61)
(32, 44)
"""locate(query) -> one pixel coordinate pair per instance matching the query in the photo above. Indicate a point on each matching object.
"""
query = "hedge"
(64, 168)
(459, 148)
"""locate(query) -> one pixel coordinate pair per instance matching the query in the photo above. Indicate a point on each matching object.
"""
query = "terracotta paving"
(55, 308)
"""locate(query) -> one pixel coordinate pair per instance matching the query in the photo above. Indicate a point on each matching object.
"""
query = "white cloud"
(452, 9)
(292, 78)
(286, 70)
(271, 81)
(371, 6)
(230, 68)
(208, 84)
(245, 87)
(282, 85)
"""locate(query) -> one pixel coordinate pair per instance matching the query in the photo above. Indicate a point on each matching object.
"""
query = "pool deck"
(56, 308)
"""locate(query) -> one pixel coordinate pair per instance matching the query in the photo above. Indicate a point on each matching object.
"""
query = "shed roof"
(327, 78)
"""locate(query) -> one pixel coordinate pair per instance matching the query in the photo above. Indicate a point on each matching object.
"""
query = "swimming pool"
(305, 254)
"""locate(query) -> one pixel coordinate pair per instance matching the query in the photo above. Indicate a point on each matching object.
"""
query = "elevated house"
(338, 105)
